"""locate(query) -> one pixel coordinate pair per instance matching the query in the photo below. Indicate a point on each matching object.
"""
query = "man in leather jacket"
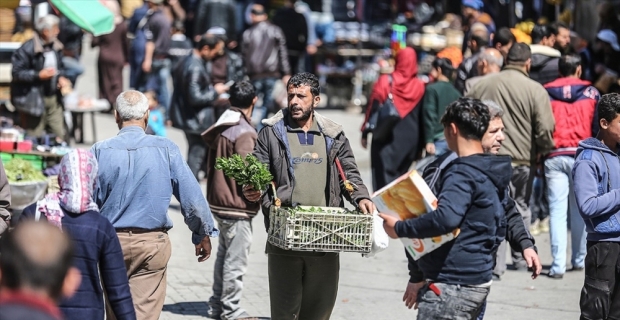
(266, 59)
(37, 76)
(193, 98)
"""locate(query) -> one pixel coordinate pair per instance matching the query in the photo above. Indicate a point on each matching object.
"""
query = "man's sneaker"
(535, 228)
(543, 226)
(573, 269)
(556, 276)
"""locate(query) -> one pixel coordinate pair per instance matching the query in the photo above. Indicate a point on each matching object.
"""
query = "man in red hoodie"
(573, 102)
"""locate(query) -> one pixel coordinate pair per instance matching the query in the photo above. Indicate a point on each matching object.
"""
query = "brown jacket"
(272, 149)
(231, 134)
(527, 116)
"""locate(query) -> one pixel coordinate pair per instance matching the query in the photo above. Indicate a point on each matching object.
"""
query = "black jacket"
(193, 97)
(472, 198)
(467, 70)
(264, 51)
(272, 149)
(215, 13)
(544, 68)
(517, 234)
(27, 61)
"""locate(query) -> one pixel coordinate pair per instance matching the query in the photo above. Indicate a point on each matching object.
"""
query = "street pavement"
(370, 288)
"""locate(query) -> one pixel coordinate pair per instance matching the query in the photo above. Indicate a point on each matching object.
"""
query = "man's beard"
(305, 115)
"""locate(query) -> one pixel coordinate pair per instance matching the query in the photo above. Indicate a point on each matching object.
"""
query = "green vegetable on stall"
(19, 170)
(248, 171)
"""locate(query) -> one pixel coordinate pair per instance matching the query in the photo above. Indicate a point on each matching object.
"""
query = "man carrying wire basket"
(313, 165)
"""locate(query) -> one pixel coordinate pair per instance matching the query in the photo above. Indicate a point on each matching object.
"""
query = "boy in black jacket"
(472, 197)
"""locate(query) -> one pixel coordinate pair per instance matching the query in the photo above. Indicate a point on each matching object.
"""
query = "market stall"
(29, 164)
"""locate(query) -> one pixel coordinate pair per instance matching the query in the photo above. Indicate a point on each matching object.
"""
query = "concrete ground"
(370, 288)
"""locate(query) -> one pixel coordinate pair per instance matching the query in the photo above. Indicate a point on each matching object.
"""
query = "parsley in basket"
(245, 172)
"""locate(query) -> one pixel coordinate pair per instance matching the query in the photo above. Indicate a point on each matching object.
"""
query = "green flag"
(90, 15)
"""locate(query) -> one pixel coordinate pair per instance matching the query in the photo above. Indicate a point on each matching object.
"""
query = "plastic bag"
(380, 239)
(24, 194)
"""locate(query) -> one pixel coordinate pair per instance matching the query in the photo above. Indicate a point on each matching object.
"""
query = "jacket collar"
(28, 300)
(545, 51)
(38, 44)
(567, 81)
(516, 68)
(327, 126)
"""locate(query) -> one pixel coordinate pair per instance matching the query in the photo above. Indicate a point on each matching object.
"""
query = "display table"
(78, 112)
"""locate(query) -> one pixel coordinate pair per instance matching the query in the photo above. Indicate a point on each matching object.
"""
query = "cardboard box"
(409, 197)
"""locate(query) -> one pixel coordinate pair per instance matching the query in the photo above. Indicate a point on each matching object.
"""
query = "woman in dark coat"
(98, 253)
(392, 156)
(113, 51)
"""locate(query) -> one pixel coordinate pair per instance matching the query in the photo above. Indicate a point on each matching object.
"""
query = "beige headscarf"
(113, 6)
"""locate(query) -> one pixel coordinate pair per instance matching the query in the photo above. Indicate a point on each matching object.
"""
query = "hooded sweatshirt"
(544, 67)
(573, 102)
(472, 198)
(597, 170)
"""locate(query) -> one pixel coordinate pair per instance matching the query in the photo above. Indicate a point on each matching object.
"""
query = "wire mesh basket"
(322, 229)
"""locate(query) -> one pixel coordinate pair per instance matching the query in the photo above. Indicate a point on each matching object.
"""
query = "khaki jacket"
(528, 117)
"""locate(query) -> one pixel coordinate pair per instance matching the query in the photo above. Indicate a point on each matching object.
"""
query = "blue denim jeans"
(73, 68)
(264, 90)
(454, 302)
(441, 147)
(562, 203)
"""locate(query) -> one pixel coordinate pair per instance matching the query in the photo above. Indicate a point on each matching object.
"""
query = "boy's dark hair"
(209, 41)
(503, 36)
(518, 54)
(470, 116)
(305, 79)
(20, 269)
(609, 107)
(242, 94)
(539, 32)
(446, 66)
(568, 65)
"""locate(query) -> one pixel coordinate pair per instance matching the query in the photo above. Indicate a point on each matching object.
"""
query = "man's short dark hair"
(210, 41)
(471, 117)
(23, 266)
(503, 36)
(518, 54)
(609, 107)
(305, 79)
(556, 26)
(242, 94)
(568, 64)
(446, 66)
(541, 31)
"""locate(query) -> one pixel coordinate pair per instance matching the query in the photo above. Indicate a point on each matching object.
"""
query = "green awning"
(90, 15)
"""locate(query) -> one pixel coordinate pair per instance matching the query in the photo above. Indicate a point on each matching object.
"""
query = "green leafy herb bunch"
(248, 171)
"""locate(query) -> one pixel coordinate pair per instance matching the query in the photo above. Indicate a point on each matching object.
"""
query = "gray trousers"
(520, 192)
(453, 302)
(303, 287)
(230, 265)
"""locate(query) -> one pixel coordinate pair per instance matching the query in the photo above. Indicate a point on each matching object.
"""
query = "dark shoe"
(556, 276)
(576, 269)
(496, 277)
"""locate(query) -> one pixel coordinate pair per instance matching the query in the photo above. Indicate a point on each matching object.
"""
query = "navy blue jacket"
(472, 198)
(97, 251)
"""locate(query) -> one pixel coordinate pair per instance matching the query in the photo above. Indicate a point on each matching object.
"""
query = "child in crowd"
(157, 122)
(597, 190)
